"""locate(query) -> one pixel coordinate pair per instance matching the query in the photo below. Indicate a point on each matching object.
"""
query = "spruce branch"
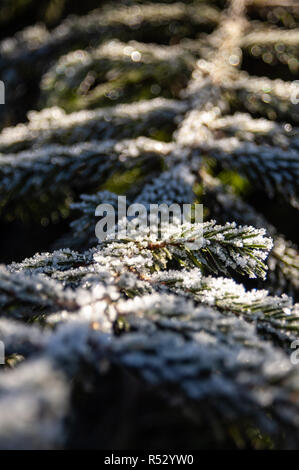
(261, 43)
(283, 261)
(28, 296)
(264, 97)
(174, 185)
(26, 392)
(171, 344)
(52, 173)
(50, 263)
(271, 169)
(214, 125)
(222, 249)
(54, 126)
(27, 56)
(116, 72)
(276, 314)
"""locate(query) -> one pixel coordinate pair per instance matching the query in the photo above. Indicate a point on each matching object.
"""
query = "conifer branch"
(221, 248)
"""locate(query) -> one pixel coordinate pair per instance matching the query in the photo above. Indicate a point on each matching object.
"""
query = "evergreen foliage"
(175, 102)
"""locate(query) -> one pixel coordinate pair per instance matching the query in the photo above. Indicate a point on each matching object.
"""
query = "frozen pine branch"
(283, 261)
(25, 394)
(172, 186)
(54, 126)
(262, 44)
(53, 173)
(209, 246)
(272, 169)
(49, 263)
(240, 125)
(83, 229)
(114, 72)
(29, 53)
(272, 314)
(264, 97)
(172, 346)
(24, 296)
(268, 167)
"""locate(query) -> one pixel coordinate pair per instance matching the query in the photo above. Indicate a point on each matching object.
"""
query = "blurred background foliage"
(17, 14)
